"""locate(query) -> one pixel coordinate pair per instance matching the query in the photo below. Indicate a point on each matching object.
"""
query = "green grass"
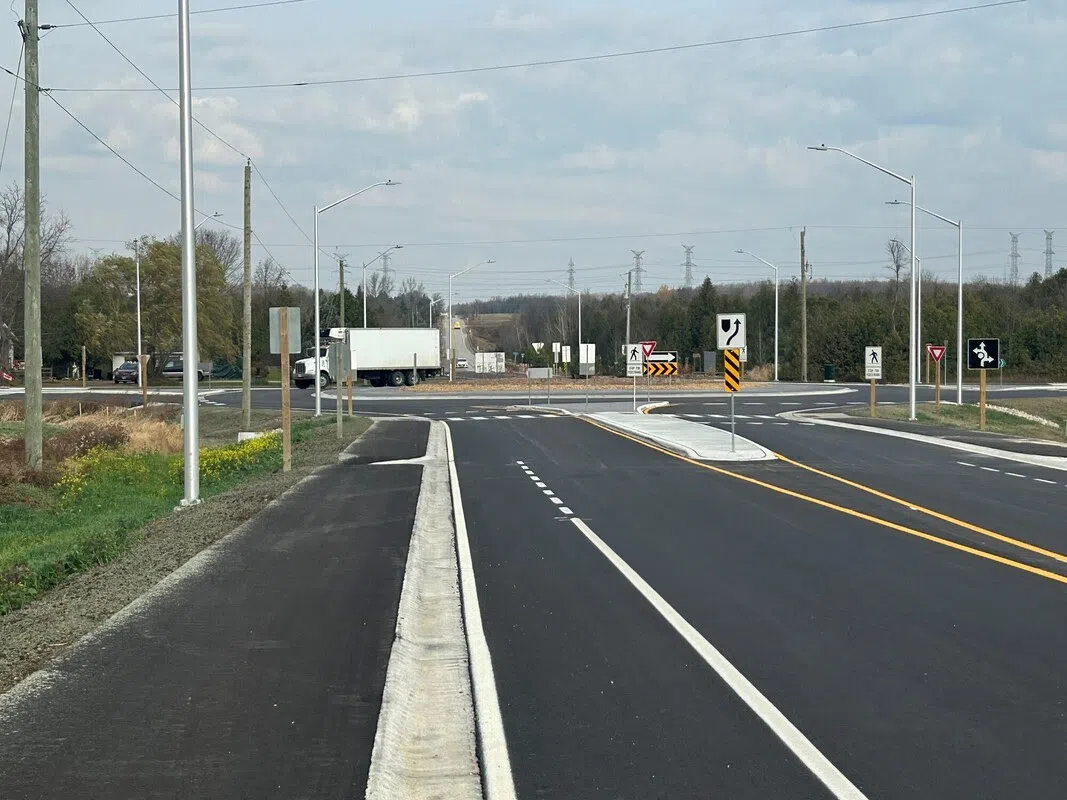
(9, 430)
(966, 418)
(1050, 408)
(51, 534)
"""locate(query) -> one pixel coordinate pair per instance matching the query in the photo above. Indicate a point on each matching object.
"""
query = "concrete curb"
(676, 447)
(651, 406)
(1049, 462)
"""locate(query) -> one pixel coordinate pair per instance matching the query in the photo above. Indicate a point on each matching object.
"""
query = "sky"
(533, 166)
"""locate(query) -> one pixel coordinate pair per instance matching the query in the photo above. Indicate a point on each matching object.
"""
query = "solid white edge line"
(791, 736)
(493, 745)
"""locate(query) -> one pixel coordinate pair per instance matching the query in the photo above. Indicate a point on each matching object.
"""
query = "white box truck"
(381, 356)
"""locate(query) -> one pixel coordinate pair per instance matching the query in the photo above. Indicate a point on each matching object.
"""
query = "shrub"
(82, 437)
(220, 463)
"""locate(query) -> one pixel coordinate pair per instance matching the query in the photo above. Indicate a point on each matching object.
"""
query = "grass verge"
(966, 418)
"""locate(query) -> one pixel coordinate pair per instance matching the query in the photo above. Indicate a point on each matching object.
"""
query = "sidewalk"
(689, 439)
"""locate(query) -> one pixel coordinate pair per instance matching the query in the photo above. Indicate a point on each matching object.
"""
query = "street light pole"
(137, 289)
(958, 224)
(769, 264)
(451, 337)
(912, 355)
(315, 245)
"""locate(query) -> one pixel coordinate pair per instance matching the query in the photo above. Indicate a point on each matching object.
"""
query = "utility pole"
(629, 301)
(34, 427)
(1013, 277)
(803, 307)
(570, 273)
(1049, 253)
(688, 265)
(638, 269)
(246, 365)
(341, 283)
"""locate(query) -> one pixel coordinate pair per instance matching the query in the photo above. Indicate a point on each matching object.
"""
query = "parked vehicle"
(127, 372)
(175, 369)
(382, 356)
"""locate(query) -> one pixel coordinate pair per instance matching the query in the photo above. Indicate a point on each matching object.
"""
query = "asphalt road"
(916, 668)
(258, 674)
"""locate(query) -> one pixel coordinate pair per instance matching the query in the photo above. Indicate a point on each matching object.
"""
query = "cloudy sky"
(586, 160)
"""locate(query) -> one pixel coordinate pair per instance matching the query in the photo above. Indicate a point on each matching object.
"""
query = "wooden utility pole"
(341, 283)
(803, 307)
(31, 265)
(287, 431)
(246, 365)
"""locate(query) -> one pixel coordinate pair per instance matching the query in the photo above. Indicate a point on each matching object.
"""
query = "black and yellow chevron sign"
(660, 369)
(731, 369)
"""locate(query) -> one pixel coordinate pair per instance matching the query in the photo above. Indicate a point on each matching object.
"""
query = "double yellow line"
(1052, 576)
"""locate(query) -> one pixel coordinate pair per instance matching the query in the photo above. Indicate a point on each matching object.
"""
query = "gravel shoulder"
(33, 635)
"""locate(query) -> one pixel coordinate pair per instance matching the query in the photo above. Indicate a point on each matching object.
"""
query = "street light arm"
(356, 194)
(953, 222)
(889, 172)
(468, 269)
(565, 286)
(763, 260)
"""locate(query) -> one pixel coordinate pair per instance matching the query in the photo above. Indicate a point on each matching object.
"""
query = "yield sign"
(936, 351)
(647, 348)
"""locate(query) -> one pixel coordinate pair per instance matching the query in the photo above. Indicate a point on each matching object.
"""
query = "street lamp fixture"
(958, 224)
(769, 264)
(216, 215)
(913, 362)
(451, 336)
(380, 255)
(315, 245)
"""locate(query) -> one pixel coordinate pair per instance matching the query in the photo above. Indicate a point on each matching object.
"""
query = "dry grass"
(1050, 408)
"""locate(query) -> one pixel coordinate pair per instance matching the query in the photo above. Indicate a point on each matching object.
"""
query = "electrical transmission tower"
(639, 271)
(385, 269)
(1049, 253)
(688, 265)
(570, 273)
(1013, 276)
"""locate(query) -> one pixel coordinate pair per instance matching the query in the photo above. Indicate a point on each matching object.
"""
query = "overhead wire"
(11, 107)
(583, 59)
(244, 7)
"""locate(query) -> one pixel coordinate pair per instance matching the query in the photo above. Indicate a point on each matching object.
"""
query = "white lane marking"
(820, 766)
(457, 419)
(790, 404)
(740, 416)
(566, 510)
(521, 463)
(694, 416)
(765, 416)
(781, 423)
(556, 500)
(717, 416)
(548, 492)
(755, 404)
(495, 763)
(526, 416)
(808, 424)
(989, 469)
(547, 416)
(754, 423)
(482, 419)
(534, 477)
(539, 485)
(1042, 480)
(965, 464)
(1015, 474)
(826, 404)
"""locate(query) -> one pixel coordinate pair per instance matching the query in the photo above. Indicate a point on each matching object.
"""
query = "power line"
(128, 163)
(171, 16)
(574, 59)
(11, 108)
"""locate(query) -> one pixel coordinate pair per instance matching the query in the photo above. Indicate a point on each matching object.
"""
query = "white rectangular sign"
(872, 363)
(566, 354)
(730, 331)
(744, 354)
(275, 331)
(635, 361)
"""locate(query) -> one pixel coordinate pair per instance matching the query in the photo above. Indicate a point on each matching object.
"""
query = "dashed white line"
(755, 423)
(566, 510)
(1015, 474)
(556, 500)
(534, 478)
(457, 419)
(989, 469)
(548, 492)
(539, 485)
(965, 464)
(521, 463)
(1042, 480)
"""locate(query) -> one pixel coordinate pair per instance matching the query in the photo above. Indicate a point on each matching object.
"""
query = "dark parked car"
(126, 373)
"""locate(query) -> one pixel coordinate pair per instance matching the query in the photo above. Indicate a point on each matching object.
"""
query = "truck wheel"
(324, 380)
(396, 378)
(411, 378)
(302, 384)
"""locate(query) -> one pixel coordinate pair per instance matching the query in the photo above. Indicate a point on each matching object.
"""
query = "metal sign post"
(731, 370)
(287, 440)
(635, 365)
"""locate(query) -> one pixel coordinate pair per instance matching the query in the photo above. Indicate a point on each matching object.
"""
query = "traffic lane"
(600, 697)
(259, 675)
(1014, 499)
(917, 669)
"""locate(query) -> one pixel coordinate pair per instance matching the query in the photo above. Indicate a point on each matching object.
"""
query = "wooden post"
(143, 375)
(287, 443)
(874, 383)
(981, 400)
(85, 377)
(337, 368)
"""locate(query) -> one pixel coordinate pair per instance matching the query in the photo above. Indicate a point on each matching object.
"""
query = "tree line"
(843, 319)
(91, 301)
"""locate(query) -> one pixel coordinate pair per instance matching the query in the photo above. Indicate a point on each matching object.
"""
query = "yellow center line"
(1052, 576)
(929, 511)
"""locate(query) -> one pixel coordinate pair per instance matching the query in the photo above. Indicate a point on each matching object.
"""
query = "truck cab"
(303, 372)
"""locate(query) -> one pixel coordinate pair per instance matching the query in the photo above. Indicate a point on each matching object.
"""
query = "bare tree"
(897, 255)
